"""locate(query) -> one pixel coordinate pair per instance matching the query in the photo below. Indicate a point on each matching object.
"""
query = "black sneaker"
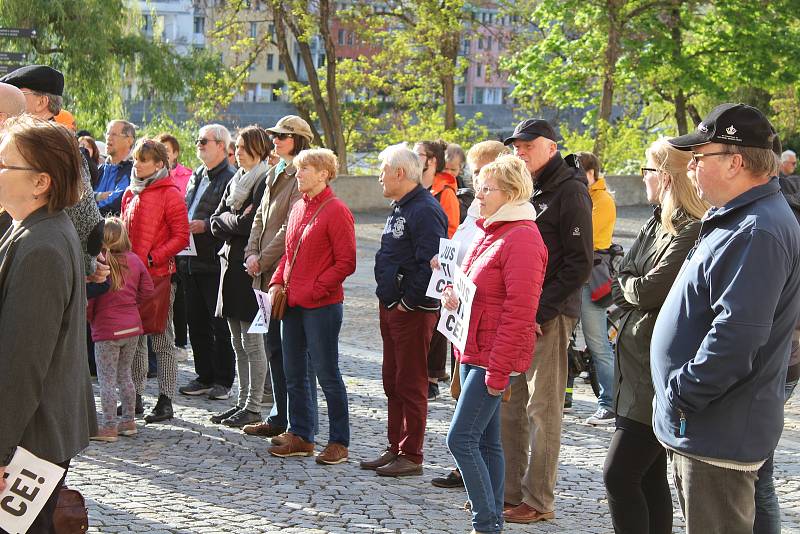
(568, 402)
(433, 390)
(138, 409)
(219, 393)
(452, 480)
(194, 388)
(217, 418)
(241, 418)
(161, 412)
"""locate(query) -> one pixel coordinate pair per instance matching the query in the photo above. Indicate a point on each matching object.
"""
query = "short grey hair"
(54, 103)
(128, 128)
(219, 132)
(455, 151)
(401, 157)
(786, 154)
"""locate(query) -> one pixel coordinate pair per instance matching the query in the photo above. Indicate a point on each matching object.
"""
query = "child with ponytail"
(116, 327)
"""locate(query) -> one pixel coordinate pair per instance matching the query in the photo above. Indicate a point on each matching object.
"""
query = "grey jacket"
(48, 407)
(268, 234)
(648, 271)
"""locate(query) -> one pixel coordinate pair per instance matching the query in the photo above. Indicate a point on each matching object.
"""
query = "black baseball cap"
(731, 124)
(530, 129)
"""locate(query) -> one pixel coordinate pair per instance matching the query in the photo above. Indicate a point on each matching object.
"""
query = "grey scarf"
(242, 184)
(139, 184)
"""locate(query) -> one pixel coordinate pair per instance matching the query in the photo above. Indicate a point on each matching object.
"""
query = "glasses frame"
(203, 141)
(3, 166)
(645, 170)
(485, 190)
(281, 136)
(697, 156)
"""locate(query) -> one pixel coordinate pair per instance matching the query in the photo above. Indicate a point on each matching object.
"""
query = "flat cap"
(40, 78)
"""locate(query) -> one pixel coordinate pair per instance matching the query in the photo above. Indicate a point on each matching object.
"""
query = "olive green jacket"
(648, 271)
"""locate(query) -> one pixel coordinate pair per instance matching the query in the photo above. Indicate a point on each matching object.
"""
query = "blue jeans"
(768, 511)
(313, 334)
(474, 441)
(277, 415)
(595, 332)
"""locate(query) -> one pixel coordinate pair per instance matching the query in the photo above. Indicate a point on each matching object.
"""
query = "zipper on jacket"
(682, 429)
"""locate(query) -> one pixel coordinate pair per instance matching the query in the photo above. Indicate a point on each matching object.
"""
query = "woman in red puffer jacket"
(506, 262)
(158, 225)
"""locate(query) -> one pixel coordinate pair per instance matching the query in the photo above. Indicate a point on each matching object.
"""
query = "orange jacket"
(446, 184)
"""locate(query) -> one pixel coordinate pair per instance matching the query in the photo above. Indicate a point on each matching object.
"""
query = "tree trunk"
(680, 113)
(449, 49)
(609, 71)
(278, 16)
(337, 133)
(681, 100)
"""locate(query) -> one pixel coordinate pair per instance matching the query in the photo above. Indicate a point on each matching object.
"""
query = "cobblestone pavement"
(190, 476)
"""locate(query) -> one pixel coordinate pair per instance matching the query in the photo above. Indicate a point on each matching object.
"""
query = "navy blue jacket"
(410, 239)
(721, 343)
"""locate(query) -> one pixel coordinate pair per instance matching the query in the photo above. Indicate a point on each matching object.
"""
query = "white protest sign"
(261, 320)
(455, 324)
(259, 325)
(448, 252)
(29, 483)
(190, 250)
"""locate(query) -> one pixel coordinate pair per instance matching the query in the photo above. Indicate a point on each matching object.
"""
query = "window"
(489, 43)
(465, 46)
(341, 36)
(272, 31)
(461, 94)
(478, 70)
(280, 65)
(147, 24)
(199, 25)
(350, 38)
(477, 95)
(321, 61)
(270, 61)
(480, 43)
(254, 29)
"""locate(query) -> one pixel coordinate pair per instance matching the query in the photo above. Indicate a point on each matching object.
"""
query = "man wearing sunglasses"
(721, 344)
(211, 340)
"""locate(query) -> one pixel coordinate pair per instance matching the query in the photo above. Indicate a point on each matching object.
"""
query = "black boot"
(161, 412)
(138, 410)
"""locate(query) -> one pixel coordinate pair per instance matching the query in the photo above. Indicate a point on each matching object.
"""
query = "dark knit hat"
(39, 78)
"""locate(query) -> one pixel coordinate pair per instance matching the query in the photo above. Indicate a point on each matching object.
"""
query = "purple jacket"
(115, 314)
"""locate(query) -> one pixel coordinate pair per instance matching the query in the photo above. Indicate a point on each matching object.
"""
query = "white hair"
(786, 154)
(219, 132)
(401, 157)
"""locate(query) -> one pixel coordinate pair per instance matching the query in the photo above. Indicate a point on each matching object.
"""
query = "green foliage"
(186, 133)
(97, 44)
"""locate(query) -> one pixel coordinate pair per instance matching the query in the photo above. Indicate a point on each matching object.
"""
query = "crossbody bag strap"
(299, 241)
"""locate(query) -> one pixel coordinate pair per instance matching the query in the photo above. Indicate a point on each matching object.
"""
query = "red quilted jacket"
(157, 223)
(326, 256)
(506, 262)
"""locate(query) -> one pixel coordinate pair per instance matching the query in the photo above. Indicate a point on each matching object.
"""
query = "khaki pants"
(532, 419)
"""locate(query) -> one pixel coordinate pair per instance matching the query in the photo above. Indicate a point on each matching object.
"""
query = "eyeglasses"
(485, 190)
(112, 134)
(3, 166)
(645, 170)
(696, 156)
(280, 136)
(203, 141)
(34, 93)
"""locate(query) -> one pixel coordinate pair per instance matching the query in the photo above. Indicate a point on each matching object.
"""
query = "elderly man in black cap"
(721, 344)
(532, 418)
(42, 87)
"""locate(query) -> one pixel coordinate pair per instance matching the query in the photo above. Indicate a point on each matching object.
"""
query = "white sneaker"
(181, 354)
(602, 417)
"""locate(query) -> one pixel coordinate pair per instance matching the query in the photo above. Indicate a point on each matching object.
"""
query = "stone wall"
(364, 193)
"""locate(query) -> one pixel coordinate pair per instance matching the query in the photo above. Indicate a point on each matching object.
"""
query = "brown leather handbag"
(71, 515)
(279, 298)
(154, 310)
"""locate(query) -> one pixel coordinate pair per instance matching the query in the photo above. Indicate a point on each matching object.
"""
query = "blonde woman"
(635, 472)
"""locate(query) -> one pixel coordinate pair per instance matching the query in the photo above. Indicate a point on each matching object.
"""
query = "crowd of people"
(110, 249)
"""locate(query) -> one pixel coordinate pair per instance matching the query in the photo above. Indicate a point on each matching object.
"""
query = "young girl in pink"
(116, 327)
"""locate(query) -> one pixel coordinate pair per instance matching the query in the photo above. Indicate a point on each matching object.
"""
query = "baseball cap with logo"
(292, 124)
(530, 129)
(731, 124)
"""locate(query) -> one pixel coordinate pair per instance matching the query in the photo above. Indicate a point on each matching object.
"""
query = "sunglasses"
(645, 170)
(280, 136)
(203, 141)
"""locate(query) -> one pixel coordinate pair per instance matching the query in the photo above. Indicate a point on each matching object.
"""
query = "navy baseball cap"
(731, 124)
(530, 129)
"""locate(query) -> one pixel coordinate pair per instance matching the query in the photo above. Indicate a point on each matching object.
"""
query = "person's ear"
(41, 184)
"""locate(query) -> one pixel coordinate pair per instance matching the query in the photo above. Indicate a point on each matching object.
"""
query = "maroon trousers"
(406, 340)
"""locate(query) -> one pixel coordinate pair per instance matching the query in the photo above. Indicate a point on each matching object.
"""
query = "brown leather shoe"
(527, 514)
(385, 458)
(401, 467)
(292, 446)
(334, 453)
(263, 429)
(280, 439)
